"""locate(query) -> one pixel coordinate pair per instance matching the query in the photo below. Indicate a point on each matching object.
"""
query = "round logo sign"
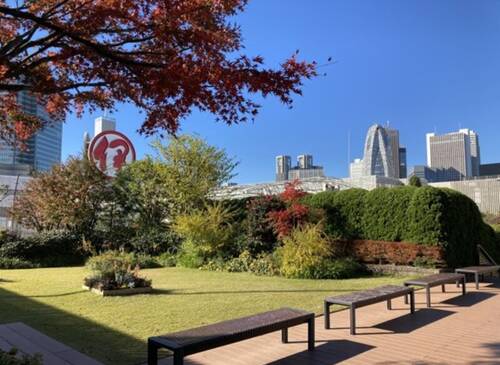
(110, 150)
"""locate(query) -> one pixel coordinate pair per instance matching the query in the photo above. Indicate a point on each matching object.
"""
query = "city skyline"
(391, 64)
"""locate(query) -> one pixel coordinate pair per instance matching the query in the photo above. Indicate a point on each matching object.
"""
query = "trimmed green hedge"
(424, 215)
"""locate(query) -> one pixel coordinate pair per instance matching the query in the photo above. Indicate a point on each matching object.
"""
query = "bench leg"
(406, 297)
(178, 358)
(428, 296)
(310, 334)
(476, 277)
(443, 288)
(412, 302)
(457, 281)
(389, 304)
(463, 286)
(284, 335)
(152, 353)
(327, 315)
(352, 310)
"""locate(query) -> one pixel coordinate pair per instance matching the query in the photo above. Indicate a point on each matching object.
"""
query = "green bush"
(263, 264)
(167, 259)
(15, 263)
(303, 250)
(209, 230)
(12, 357)
(260, 235)
(155, 241)
(344, 211)
(52, 248)
(344, 268)
(114, 270)
(190, 256)
(385, 215)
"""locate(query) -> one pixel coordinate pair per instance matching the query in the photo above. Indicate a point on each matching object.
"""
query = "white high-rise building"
(356, 168)
(455, 155)
(104, 123)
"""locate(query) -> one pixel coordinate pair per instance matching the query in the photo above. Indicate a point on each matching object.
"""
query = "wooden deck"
(456, 330)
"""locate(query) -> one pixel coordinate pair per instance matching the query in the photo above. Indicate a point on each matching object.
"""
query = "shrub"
(144, 261)
(52, 248)
(295, 213)
(155, 241)
(415, 181)
(12, 357)
(304, 249)
(260, 234)
(114, 270)
(208, 230)
(343, 268)
(167, 259)
(190, 256)
(386, 213)
(343, 209)
(264, 264)
(15, 263)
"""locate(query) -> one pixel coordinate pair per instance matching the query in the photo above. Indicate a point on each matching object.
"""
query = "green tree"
(415, 181)
(142, 190)
(67, 197)
(192, 169)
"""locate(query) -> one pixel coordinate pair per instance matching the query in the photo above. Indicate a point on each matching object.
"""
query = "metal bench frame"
(180, 351)
(353, 305)
(444, 278)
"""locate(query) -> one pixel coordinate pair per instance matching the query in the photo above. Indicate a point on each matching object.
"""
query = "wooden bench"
(478, 271)
(199, 339)
(367, 297)
(435, 280)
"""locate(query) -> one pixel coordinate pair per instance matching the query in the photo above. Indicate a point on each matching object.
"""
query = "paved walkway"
(456, 330)
(29, 341)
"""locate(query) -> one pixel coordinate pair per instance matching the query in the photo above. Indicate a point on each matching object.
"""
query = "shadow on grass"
(95, 340)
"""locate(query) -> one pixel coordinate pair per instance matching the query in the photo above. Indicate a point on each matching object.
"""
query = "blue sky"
(422, 65)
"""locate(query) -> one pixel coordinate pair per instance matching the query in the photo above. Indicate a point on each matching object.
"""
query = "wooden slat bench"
(478, 271)
(435, 280)
(366, 297)
(199, 339)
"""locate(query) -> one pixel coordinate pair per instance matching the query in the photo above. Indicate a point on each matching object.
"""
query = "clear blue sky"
(420, 64)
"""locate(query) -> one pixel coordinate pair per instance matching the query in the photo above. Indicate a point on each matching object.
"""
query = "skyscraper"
(403, 169)
(283, 166)
(456, 155)
(378, 155)
(42, 150)
(304, 161)
(393, 139)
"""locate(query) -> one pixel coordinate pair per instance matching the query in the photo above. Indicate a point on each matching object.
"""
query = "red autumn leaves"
(167, 57)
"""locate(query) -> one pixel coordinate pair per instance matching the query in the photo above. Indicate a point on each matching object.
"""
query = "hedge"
(425, 215)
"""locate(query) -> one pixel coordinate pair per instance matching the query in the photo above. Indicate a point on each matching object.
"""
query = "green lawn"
(114, 330)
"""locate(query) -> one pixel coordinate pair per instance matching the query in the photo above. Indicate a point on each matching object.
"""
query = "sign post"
(109, 151)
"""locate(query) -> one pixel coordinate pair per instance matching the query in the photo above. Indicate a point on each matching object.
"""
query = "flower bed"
(113, 275)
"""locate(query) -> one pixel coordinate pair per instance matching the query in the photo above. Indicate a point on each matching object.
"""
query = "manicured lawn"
(114, 330)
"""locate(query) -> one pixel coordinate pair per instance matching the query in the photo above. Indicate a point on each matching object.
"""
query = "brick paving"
(456, 330)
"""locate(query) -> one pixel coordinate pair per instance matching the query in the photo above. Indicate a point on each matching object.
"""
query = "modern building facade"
(304, 169)
(456, 155)
(283, 165)
(378, 157)
(42, 150)
(403, 169)
(489, 169)
(356, 168)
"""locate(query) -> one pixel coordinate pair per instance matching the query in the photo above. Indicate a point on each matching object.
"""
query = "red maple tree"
(164, 56)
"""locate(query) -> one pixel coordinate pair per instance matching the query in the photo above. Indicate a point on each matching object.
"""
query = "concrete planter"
(119, 292)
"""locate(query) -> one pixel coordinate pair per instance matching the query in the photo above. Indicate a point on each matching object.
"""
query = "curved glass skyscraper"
(378, 155)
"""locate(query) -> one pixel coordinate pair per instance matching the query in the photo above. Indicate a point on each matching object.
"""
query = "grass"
(114, 329)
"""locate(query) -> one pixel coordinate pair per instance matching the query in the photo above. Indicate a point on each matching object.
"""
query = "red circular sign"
(110, 150)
